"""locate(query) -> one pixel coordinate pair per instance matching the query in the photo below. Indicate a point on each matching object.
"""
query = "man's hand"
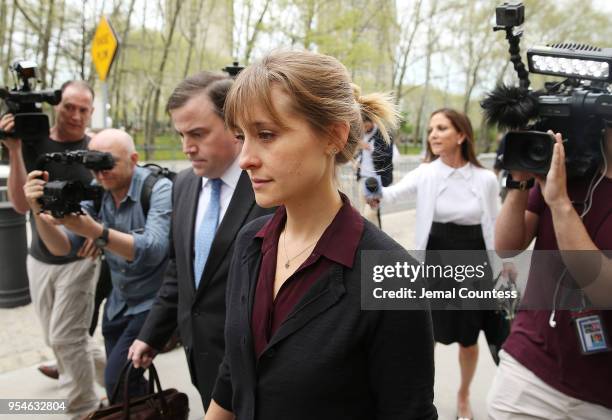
(141, 354)
(82, 224)
(554, 187)
(7, 123)
(89, 250)
(34, 188)
(509, 271)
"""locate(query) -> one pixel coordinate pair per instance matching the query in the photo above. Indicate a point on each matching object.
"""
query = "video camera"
(64, 197)
(234, 70)
(579, 107)
(31, 125)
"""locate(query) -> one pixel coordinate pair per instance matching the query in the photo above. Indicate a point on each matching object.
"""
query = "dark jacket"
(382, 158)
(329, 359)
(200, 313)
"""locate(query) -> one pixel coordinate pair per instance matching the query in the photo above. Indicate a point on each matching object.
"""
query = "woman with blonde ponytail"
(377, 152)
(298, 345)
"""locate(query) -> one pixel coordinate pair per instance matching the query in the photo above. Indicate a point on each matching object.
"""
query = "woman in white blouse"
(456, 209)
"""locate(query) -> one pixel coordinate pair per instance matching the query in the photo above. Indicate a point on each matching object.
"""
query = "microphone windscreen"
(371, 184)
(510, 107)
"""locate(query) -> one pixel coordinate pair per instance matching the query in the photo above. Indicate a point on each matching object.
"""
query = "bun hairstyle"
(321, 92)
(379, 109)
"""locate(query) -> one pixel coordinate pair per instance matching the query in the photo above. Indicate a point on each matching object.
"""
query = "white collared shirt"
(428, 182)
(230, 180)
(457, 203)
(367, 163)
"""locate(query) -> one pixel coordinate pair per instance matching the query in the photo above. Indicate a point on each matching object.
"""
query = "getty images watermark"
(32, 406)
(438, 272)
(468, 280)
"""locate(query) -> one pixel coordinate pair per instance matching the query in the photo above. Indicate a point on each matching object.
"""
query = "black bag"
(166, 404)
(496, 328)
(497, 323)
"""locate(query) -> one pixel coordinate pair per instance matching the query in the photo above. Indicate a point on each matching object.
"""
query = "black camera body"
(91, 159)
(578, 107)
(529, 151)
(62, 197)
(31, 125)
(508, 14)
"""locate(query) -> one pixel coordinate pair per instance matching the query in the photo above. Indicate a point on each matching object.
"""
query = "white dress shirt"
(367, 163)
(429, 180)
(457, 203)
(230, 180)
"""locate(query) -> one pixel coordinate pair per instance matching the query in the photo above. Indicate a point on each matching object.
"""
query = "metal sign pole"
(105, 104)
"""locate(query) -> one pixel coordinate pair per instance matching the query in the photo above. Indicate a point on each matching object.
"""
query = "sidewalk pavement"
(22, 349)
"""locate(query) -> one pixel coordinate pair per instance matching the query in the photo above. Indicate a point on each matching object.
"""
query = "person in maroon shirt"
(543, 372)
(298, 345)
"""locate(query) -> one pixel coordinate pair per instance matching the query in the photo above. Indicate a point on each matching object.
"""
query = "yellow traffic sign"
(103, 48)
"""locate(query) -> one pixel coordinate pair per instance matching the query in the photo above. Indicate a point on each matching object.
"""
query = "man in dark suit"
(211, 202)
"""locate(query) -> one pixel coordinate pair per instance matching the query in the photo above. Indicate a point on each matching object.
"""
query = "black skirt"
(457, 326)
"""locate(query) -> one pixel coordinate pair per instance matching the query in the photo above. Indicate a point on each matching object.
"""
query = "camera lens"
(531, 152)
(537, 151)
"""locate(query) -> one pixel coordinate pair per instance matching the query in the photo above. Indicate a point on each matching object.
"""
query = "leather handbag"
(163, 404)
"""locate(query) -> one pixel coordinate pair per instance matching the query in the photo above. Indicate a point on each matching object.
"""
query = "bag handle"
(153, 382)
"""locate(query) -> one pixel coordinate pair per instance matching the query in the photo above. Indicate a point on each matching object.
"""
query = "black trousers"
(119, 334)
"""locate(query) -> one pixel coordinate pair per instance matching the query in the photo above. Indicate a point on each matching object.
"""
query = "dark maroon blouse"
(338, 244)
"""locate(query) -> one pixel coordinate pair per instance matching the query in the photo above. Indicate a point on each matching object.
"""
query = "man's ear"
(134, 158)
(339, 136)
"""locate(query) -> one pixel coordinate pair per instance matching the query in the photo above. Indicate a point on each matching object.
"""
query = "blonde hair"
(321, 91)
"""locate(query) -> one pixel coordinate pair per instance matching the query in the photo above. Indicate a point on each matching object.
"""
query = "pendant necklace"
(287, 259)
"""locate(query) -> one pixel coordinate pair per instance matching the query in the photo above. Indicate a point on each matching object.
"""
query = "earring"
(334, 151)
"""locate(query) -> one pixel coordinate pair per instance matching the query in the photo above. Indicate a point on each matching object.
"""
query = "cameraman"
(135, 243)
(543, 372)
(62, 288)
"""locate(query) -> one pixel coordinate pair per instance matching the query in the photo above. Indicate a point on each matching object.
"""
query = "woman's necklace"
(287, 259)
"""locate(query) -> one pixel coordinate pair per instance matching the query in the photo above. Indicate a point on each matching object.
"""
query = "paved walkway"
(22, 349)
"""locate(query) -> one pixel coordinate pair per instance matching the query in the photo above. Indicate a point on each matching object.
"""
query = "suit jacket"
(200, 313)
(329, 359)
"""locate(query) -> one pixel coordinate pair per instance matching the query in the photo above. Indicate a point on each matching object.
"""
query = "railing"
(346, 176)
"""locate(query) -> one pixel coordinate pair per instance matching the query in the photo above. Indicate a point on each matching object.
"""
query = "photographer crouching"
(62, 288)
(133, 236)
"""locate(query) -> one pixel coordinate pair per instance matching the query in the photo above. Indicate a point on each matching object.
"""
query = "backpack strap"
(147, 191)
